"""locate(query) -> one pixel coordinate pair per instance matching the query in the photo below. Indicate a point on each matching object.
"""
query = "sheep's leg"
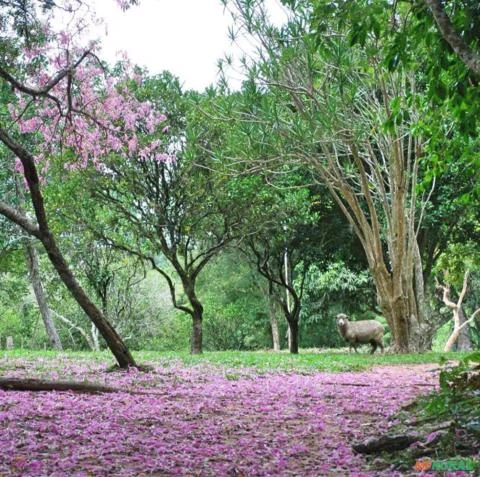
(374, 346)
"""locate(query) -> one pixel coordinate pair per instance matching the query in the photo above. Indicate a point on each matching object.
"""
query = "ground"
(199, 419)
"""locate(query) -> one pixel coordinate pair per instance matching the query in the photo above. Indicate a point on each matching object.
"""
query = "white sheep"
(360, 332)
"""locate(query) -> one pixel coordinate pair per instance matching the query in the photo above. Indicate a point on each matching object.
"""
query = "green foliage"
(337, 289)
(18, 317)
(404, 37)
(235, 309)
(456, 260)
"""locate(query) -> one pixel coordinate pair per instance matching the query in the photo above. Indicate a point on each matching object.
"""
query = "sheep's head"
(342, 320)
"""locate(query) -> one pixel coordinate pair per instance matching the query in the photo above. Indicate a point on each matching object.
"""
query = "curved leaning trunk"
(111, 337)
(43, 233)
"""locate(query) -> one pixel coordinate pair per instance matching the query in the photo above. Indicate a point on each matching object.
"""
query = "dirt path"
(202, 421)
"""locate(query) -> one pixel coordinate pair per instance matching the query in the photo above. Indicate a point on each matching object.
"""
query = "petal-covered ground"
(200, 420)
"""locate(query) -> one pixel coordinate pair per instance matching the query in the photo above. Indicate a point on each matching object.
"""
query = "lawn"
(306, 360)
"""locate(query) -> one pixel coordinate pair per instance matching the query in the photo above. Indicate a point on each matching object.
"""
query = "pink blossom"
(93, 113)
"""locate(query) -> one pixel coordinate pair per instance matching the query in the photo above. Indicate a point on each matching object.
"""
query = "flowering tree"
(66, 104)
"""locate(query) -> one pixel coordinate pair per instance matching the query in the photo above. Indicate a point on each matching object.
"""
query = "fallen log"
(387, 443)
(16, 384)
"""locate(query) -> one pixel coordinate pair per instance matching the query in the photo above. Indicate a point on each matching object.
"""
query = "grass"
(307, 361)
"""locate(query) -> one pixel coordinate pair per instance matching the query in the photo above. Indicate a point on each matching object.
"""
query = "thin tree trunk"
(34, 274)
(85, 335)
(275, 333)
(35, 278)
(459, 321)
(94, 338)
(272, 308)
(288, 336)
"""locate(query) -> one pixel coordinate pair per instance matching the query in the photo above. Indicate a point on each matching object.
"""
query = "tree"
(459, 322)
(80, 113)
(179, 207)
(456, 265)
(342, 113)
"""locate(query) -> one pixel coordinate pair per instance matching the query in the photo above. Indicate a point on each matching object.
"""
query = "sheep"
(360, 332)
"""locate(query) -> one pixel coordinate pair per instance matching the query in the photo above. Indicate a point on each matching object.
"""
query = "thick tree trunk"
(196, 344)
(464, 342)
(294, 338)
(196, 339)
(398, 305)
(34, 273)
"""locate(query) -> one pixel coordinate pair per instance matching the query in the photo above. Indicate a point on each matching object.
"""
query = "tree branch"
(469, 57)
(18, 218)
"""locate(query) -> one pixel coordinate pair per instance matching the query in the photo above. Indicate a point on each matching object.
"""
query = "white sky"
(186, 37)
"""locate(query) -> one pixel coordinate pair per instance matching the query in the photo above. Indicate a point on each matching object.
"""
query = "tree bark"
(196, 345)
(272, 309)
(196, 339)
(464, 342)
(15, 384)
(45, 312)
(294, 338)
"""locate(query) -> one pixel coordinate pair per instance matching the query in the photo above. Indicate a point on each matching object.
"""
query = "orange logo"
(423, 464)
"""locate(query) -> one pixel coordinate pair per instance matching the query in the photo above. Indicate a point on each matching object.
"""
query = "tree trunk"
(34, 273)
(196, 339)
(196, 344)
(274, 325)
(111, 337)
(469, 57)
(293, 327)
(460, 323)
(95, 343)
(464, 342)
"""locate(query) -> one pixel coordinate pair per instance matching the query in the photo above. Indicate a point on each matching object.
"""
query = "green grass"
(306, 361)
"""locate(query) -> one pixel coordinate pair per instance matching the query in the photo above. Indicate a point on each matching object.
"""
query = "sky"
(186, 37)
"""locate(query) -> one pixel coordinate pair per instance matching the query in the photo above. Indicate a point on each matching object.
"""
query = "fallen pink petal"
(198, 421)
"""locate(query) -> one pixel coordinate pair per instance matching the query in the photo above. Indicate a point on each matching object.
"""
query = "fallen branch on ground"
(15, 384)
